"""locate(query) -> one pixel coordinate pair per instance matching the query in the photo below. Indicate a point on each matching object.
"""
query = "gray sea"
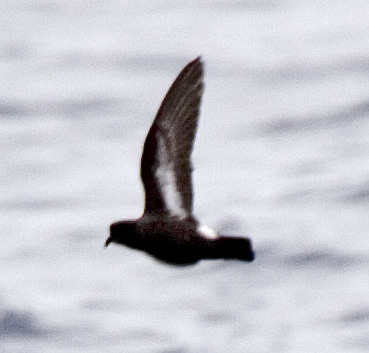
(281, 155)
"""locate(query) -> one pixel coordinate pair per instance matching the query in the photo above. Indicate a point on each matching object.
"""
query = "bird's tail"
(227, 247)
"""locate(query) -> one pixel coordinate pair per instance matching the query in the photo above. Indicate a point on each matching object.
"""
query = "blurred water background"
(281, 155)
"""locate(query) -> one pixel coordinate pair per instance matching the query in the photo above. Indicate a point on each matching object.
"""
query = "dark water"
(281, 155)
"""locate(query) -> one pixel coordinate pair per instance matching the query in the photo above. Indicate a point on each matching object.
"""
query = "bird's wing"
(165, 163)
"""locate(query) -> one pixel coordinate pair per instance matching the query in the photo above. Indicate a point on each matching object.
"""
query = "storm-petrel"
(167, 229)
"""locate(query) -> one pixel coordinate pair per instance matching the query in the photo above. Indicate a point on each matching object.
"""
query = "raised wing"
(165, 163)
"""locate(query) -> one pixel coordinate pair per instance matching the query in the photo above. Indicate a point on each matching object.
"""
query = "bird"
(168, 230)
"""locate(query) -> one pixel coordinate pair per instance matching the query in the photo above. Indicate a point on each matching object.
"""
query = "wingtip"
(198, 65)
(198, 60)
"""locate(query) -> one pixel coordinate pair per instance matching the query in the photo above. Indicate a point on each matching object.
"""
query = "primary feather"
(165, 164)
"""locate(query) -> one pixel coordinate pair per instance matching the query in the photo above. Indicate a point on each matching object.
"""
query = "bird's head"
(122, 233)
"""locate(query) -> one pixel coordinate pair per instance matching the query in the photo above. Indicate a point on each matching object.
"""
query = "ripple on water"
(346, 115)
(356, 316)
(20, 324)
(322, 259)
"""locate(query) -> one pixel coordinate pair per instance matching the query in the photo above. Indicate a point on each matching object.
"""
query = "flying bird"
(168, 230)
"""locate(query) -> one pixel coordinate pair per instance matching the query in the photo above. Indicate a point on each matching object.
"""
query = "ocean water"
(282, 156)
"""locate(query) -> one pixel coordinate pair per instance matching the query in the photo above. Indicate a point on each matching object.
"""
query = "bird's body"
(169, 240)
(168, 230)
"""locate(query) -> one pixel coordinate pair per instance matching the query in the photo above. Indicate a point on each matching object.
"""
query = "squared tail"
(226, 247)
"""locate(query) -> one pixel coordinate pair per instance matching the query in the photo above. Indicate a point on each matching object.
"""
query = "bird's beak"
(108, 241)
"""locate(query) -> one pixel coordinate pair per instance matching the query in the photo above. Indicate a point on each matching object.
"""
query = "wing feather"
(165, 163)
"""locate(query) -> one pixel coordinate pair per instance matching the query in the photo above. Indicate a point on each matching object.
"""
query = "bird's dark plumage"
(168, 230)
